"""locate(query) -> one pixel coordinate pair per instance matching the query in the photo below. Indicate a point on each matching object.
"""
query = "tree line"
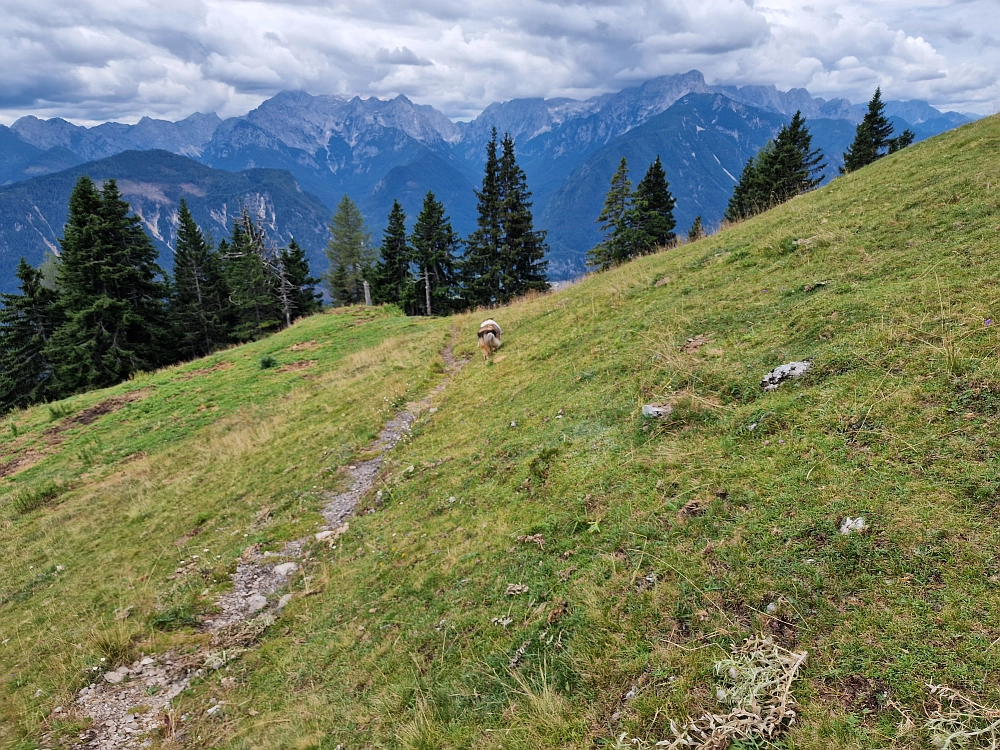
(430, 270)
(109, 310)
(638, 222)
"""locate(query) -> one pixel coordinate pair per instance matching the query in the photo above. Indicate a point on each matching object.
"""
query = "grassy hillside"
(435, 621)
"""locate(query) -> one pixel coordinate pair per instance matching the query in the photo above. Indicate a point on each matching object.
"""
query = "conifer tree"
(615, 222)
(248, 272)
(390, 275)
(482, 264)
(432, 290)
(304, 299)
(27, 321)
(110, 294)
(200, 310)
(349, 254)
(697, 230)
(872, 138)
(652, 221)
(522, 250)
(787, 166)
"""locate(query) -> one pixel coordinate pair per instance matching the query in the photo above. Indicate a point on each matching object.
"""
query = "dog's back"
(489, 337)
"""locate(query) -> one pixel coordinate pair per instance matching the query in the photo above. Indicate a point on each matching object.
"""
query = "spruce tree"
(390, 276)
(110, 294)
(787, 166)
(349, 254)
(432, 289)
(873, 137)
(27, 321)
(697, 230)
(200, 310)
(248, 271)
(797, 168)
(294, 265)
(652, 220)
(522, 253)
(614, 220)
(482, 265)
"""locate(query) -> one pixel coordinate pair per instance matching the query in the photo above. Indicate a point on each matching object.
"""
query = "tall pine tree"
(200, 310)
(787, 166)
(390, 276)
(873, 137)
(433, 287)
(652, 212)
(349, 254)
(615, 222)
(522, 251)
(27, 321)
(482, 266)
(110, 294)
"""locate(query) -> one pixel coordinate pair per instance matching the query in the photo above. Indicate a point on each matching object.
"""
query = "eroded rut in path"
(131, 705)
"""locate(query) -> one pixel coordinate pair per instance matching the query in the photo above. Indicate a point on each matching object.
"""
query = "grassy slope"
(397, 643)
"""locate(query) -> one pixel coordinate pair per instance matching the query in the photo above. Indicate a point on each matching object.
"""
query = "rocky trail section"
(131, 704)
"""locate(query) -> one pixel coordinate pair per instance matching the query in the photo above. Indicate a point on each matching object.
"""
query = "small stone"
(214, 709)
(285, 568)
(256, 603)
(657, 411)
(852, 525)
(283, 601)
(147, 661)
(779, 375)
(432, 410)
(324, 535)
(113, 677)
(57, 710)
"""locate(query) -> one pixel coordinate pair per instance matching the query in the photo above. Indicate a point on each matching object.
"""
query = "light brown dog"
(489, 337)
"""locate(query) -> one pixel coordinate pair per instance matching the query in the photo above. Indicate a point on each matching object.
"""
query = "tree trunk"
(427, 289)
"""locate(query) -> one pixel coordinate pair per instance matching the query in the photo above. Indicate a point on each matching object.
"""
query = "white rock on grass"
(779, 375)
(113, 677)
(657, 411)
(853, 525)
(324, 535)
(256, 603)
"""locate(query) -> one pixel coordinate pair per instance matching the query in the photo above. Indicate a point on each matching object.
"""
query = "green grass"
(664, 542)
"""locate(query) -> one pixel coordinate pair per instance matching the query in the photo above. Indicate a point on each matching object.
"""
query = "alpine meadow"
(354, 533)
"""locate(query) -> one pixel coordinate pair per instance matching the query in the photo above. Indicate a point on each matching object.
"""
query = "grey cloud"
(400, 56)
(90, 60)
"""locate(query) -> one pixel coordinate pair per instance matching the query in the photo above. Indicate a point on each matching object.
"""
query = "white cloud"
(90, 60)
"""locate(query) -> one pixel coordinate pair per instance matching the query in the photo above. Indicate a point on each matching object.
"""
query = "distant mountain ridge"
(376, 151)
(32, 213)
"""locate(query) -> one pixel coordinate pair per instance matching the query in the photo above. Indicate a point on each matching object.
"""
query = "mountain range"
(294, 156)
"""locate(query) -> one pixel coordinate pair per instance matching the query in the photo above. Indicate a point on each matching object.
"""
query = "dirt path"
(130, 705)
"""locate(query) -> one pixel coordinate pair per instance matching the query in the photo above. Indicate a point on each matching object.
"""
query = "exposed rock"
(853, 525)
(256, 603)
(779, 375)
(657, 411)
(113, 677)
(285, 568)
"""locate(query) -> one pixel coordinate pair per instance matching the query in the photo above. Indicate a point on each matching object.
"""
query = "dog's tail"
(491, 340)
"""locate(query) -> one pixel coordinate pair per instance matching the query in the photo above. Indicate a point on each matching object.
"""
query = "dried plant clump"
(958, 722)
(757, 684)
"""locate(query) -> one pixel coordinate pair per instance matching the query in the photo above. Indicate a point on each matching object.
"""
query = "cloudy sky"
(96, 60)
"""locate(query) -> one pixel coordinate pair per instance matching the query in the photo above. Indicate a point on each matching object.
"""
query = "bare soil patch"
(695, 343)
(305, 346)
(302, 364)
